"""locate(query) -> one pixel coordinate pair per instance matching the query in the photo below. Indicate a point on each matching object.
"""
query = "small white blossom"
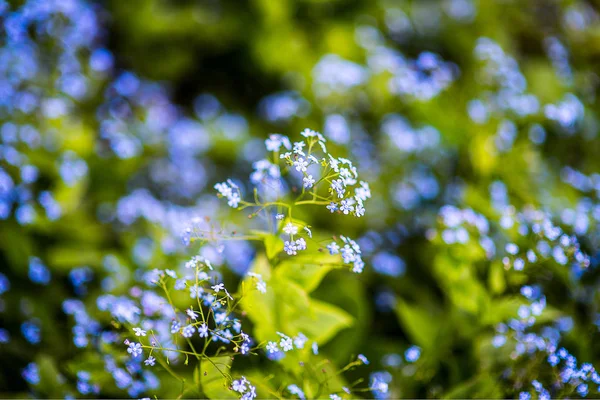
(239, 386)
(333, 248)
(294, 389)
(301, 244)
(286, 344)
(290, 248)
(338, 187)
(188, 331)
(346, 206)
(298, 146)
(261, 286)
(233, 200)
(191, 313)
(139, 332)
(300, 340)
(203, 330)
(290, 229)
(359, 210)
(171, 273)
(218, 287)
(135, 349)
(300, 164)
(308, 181)
(272, 347)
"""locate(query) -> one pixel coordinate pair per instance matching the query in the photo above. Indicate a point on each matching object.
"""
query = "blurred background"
(118, 117)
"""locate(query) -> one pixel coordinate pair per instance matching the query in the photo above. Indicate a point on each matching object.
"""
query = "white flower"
(308, 181)
(290, 229)
(220, 317)
(191, 313)
(298, 146)
(139, 332)
(223, 189)
(309, 133)
(313, 159)
(180, 284)
(379, 386)
(188, 331)
(333, 248)
(300, 340)
(233, 200)
(286, 344)
(363, 192)
(171, 273)
(359, 210)
(239, 386)
(332, 207)
(346, 206)
(338, 187)
(275, 141)
(279, 217)
(358, 266)
(290, 248)
(272, 347)
(300, 164)
(334, 164)
(294, 389)
(261, 286)
(135, 349)
(217, 288)
(203, 330)
(348, 254)
(301, 244)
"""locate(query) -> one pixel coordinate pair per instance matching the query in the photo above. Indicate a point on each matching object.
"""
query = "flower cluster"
(230, 191)
(345, 193)
(286, 343)
(310, 163)
(350, 252)
(246, 390)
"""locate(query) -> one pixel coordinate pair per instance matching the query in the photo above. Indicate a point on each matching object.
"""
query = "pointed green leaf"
(421, 326)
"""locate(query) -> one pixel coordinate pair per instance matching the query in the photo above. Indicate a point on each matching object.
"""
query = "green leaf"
(308, 272)
(49, 376)
(273, 246)
(291, 297)
(496, 278)
(505, 308)
(480, 387)
(287, 307)
(260, 307)
(321, 322)
(421, 326)
(214, 377)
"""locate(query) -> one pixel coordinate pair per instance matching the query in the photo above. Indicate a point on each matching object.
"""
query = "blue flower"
(31, 374)
(412, 354)
(135, 349)
(38, 273)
